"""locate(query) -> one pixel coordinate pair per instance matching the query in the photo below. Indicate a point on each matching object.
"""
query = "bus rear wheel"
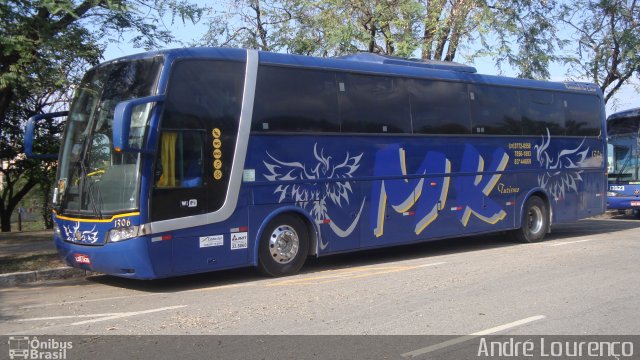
(535, 221)
(284, 245)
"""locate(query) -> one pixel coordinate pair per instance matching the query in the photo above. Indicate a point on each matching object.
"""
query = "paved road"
(584, 280)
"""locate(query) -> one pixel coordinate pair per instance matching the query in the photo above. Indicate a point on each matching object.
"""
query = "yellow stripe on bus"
(96, 220)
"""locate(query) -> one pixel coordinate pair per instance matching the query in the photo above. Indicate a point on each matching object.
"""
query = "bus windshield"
(623, 157)
(92, 179)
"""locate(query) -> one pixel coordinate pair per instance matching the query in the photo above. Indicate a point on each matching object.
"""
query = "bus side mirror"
(130, 120)
(29, 134)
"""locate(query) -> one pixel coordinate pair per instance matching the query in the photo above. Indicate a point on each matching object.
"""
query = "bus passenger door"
(197, 142)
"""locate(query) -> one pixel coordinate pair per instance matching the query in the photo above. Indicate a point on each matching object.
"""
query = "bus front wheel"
(535, 221)
(284, 245)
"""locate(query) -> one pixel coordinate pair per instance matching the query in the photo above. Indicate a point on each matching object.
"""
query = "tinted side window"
(374, 104)
(203, 95)
(297, 100)
(180, 161)
(439, 107)
(542, 110)
(495, 110)
(583, 115)
(623, 125)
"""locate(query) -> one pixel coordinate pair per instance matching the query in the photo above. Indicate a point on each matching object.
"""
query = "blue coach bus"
(193, 160)
(623, 130)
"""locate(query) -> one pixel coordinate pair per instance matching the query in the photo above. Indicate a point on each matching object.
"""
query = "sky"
(627, 97)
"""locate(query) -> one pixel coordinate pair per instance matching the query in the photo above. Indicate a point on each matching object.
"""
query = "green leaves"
(607, 34)
(527, 36)
(45, 47)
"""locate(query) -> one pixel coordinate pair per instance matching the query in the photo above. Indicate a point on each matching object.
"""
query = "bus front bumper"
(127, 258)
(623, 202)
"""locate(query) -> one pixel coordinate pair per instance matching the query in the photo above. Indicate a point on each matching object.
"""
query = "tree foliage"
(434, 30)
(607, 34)
(45, 46)
(317, 27)
(599, 39)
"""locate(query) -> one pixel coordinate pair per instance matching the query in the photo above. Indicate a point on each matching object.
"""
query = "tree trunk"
(11, 202)
(463, 9)
(45, 192)
(5, 220)
(431, 25)
(372, 39)
(5, 100)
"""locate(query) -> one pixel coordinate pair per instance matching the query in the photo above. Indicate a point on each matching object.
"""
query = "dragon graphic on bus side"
(327, 181)
(316, 187)
(557, 181)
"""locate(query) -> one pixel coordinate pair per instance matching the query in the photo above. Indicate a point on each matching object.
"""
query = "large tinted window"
(199, 130)
(625, 125)
(180, 162)
(439, 107)
(583, 115)
(495, 110)
(298, 100)
(374, 104)
(542, 110)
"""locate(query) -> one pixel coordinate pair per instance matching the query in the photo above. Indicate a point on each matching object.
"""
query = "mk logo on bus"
(429, 194)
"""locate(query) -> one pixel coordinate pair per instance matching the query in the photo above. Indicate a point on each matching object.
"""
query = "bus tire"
(284, 245)
(535, 221)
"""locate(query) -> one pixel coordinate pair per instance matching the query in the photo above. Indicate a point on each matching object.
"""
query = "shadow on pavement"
(368, 257)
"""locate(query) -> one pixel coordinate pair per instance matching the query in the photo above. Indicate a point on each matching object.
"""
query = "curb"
(41, 275)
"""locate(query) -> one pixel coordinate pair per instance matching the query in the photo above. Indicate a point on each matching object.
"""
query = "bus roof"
(395, 60)
(376, 64)
(629, 113)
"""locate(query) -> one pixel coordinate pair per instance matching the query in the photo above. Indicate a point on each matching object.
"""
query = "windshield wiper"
(624, 167)
(100, 202)
(89, 188)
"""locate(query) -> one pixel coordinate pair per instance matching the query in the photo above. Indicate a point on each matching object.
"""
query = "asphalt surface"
(585, 279)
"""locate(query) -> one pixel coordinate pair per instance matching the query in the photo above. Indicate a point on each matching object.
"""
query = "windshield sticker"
(62, 185)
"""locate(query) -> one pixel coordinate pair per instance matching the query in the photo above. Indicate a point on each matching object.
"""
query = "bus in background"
(623, 152)
(193, 160)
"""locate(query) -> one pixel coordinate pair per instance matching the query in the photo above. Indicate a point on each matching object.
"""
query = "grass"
(30, 263)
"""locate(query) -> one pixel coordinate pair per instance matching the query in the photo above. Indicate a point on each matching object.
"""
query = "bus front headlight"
(612, 194)
(56, 230)
(122, 233)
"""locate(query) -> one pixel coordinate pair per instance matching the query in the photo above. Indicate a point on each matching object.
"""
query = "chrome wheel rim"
(535, 220)
(284, 244)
